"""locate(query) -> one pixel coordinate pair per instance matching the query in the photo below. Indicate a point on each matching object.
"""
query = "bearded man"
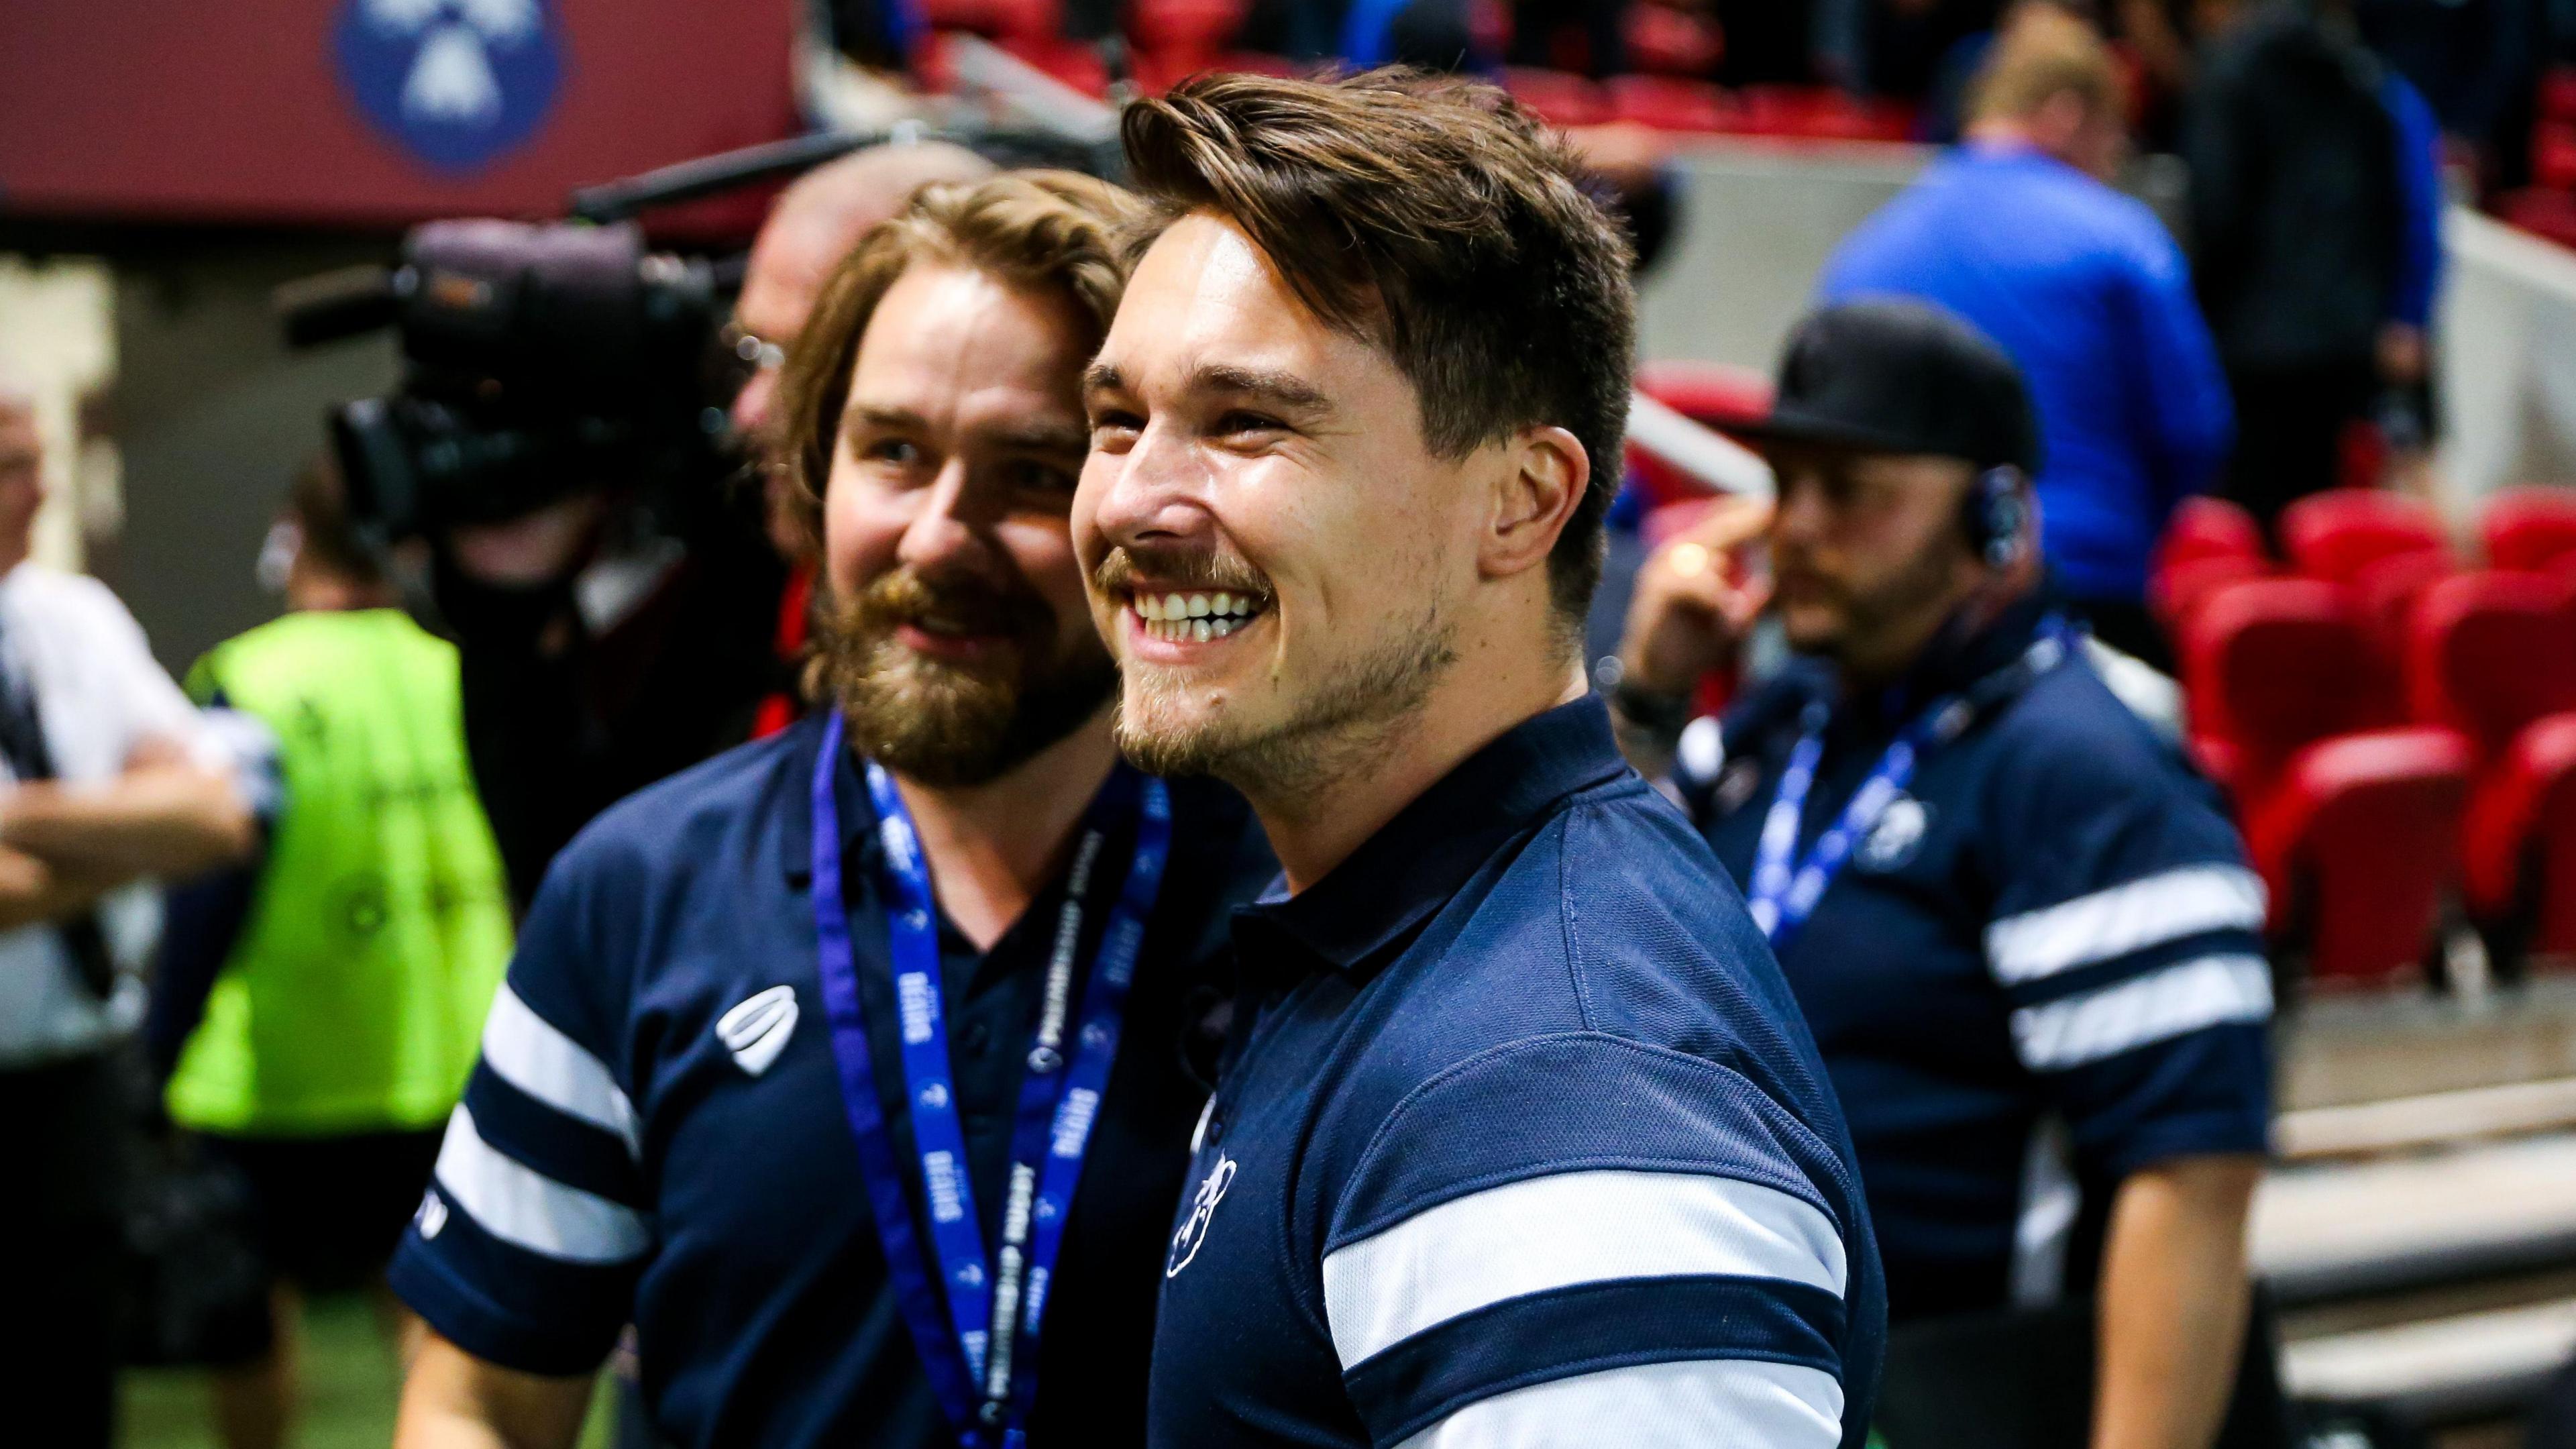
(851, 1066)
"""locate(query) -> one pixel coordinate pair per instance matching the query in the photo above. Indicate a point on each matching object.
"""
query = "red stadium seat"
(2176, 593)
(2271, 666)
(2331, 535)
(1557, 97)
(1668, 103)
(2488, 653)
(1720, 395)
(2494, 656)
(2385, 592)
(2519, 845)
(1822, 113)
(1665, 40)
(2553, 154)
(2529, 528)
(2558, 93)
(2358, 846)
(1200, 28)
(1070, 61)
(2206, 527)
(2542, 212)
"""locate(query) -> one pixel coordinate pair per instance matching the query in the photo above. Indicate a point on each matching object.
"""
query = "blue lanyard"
(1784, 889)
(979, 1348)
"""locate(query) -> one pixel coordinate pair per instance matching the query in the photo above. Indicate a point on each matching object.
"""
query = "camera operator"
(607, 644)
(2023, 934)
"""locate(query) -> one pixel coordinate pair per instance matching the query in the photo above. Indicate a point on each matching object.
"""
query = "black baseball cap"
(1891, 376)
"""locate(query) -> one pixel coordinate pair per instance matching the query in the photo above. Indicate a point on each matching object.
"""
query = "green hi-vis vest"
(354, 998)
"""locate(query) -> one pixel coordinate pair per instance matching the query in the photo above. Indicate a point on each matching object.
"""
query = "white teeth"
(1199, 628)
(1198, 606)
(1176, 606)
(1221, 604)
(1148, 607)
(1221, 627)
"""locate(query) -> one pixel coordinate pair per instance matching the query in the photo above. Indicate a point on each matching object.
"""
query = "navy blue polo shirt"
(655, 1132)
(1520, 1141)
(2040, 972)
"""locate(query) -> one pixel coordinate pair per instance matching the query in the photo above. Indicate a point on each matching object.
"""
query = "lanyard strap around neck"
(992, 1310)
(1784, 890)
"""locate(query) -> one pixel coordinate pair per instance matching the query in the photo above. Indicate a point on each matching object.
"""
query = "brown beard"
(944, 723)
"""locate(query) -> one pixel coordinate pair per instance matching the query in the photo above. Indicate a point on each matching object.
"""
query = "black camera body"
(540, 361)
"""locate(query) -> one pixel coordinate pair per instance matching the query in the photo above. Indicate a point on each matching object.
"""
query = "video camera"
(540, 360)
(543, 360)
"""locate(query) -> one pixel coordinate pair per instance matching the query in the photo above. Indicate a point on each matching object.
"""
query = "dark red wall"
(236, 111)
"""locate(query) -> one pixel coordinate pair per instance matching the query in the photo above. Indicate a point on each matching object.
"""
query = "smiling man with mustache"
(850, 1066)
(1519, 1140)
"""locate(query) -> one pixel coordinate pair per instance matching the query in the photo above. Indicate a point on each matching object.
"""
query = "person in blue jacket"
(2018, 233)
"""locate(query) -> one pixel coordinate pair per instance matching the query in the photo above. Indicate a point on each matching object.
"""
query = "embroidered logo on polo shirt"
(1893, 841)
(1194, 1231)
(756, 1031)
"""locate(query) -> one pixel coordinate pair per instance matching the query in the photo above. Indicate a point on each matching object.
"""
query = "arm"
(161, 818)
(453, 1400)
(1694, 603)
(2173, 1303)
(2190, 418)
(32, 892)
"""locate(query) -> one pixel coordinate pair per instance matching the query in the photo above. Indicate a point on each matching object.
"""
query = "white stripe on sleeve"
(1554, 1232)
(2124, 918)
(1655, 1406)
(527, 1051)
(2163, 1004)
(527, 1209)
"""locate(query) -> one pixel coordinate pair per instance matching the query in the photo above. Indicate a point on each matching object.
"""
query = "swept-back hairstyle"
(1054, 230)
(1436, 221)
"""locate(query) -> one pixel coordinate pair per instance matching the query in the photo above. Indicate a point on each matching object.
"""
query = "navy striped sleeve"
(2127, 938)
(1580, 1239)
(526, 1249)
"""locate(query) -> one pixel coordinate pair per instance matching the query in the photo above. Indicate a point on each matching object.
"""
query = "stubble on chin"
(1329, 729)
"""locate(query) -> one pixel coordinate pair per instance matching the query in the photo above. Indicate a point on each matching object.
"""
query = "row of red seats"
(2395, 728)
(2547, 207)
(1171, 39)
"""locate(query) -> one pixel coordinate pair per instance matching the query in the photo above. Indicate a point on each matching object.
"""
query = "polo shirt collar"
(1414, 864)
(1955, 660)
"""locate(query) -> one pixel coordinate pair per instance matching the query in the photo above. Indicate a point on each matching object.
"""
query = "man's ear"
(1538, 483)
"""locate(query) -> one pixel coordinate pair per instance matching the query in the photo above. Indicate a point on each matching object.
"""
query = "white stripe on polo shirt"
(1686, 1405)
(2158, 1006)
(527, 1209)
(1543, 1233)
(528, 1052)
(2132, 916)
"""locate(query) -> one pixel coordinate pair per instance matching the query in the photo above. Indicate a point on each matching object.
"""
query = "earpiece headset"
(1998, 517)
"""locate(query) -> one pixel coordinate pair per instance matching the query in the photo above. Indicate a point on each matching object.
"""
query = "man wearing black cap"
(2024, 936)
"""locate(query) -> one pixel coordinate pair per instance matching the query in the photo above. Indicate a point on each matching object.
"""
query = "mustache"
(901, 596)
(1195, 571)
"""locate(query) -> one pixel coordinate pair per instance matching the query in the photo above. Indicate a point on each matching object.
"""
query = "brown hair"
(2045, 51)
(318, 504)
(1438, 222)
(1041, 229)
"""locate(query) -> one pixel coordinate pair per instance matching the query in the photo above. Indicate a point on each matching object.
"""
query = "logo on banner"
(457, 82)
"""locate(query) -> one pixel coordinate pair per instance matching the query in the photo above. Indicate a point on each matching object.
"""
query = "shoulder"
(71, 601)
(2070, 727)
(680, 827)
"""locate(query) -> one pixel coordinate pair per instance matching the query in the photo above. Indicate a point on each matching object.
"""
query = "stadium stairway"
(2418, 1234)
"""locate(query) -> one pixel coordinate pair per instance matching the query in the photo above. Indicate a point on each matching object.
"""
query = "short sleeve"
(526, 1249)
(1514, 1261)
(2126, 937)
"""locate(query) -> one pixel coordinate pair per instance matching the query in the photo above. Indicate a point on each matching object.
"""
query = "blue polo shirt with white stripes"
(2039, 973)
(655, 1132)
(1519, 1141)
